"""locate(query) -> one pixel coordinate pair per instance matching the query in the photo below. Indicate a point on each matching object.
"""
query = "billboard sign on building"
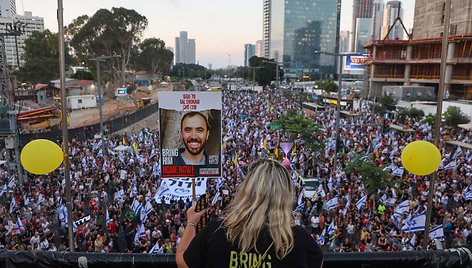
(354, 64)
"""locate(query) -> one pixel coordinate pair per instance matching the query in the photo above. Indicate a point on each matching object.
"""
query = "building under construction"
(417, 61)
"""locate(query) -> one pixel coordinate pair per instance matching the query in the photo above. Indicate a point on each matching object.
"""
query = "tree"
(41, 58)
(266, 70)
(388, 101)
(299, 128)
(327, 85)
(417, 114)
(183, 70)
(83, 75)
(107, 33)
(430, 119)
(453, 117)
(373, 177)
(153, 57)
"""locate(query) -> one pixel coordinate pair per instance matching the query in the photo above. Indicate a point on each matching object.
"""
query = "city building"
(429, 19)
(361, 9)
(184, 49)
(393, 10)
(344, 43)
(298, 29)
(7, 8)
(377, 19)
(14, 45)
(363, 34)
(249, 52)
(260, 48)
(266, 14)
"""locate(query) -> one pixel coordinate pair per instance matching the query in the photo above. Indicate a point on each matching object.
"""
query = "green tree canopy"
(388, 102)
(153, 57)
(298, 127)
(183, 70)
(108, 32)
(265, 70)
(327, 85)
(41, 58)
(453, 117)
(373, 177)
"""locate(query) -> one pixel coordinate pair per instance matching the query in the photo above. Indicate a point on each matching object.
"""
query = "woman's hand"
(193, 216)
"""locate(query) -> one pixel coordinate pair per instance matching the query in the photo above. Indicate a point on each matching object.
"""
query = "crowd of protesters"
(107, 185)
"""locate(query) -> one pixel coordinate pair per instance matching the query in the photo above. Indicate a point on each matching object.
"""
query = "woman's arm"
(189, 233)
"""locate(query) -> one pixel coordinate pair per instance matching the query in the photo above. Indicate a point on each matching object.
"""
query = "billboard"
(190, 134)
(354, 64)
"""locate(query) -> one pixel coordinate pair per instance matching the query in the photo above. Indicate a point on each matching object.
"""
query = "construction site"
(417, 62)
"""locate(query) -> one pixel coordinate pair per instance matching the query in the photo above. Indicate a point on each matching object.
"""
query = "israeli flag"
(300, 196)
(361, 202)
(320, 191)
(300, 207)
(413, 241)
(107, 217)
(331, 229)
(12, 204)
(332, 203)
(216, 198)
(437, 232)
(40, 201)
(402, 208)
(4, 189)
(140, 233)
(468, 194)
(415, 224)
(19, 223)
(390, 201)
(321, 238)
(161, 191)
(136, 206)
(119, 196)
(398, 171)
(156, 249)
(457, 153)
(451, 165)
(142, 214)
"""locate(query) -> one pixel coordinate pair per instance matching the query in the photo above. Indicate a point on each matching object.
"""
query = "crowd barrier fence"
(451, 258)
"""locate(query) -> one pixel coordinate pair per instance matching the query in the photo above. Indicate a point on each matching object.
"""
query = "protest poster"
(190, 131)
(175, 188)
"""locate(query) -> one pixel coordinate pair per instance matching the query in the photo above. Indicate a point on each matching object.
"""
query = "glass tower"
(298, 28)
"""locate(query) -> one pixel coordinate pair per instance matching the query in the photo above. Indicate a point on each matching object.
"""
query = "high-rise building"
(184, 49)
(7, 8)
(298, 28)
(377, 19)
(259, 48)
(393, 10)
(361, 9)
(363, 33)
(14, 47)
(249, 52)
(344, 37)
(429, 18)
(266, 15)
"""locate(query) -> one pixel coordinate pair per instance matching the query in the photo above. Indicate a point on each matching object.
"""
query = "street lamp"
(338, 104)
(100, 98)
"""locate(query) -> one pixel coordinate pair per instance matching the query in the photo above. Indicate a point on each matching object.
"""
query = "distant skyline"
(220, 28)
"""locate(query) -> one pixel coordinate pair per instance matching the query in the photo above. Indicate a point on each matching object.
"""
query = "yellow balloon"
(421, 158)
(41, 156)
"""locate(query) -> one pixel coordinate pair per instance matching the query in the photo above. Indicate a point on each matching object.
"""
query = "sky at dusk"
(220, 27)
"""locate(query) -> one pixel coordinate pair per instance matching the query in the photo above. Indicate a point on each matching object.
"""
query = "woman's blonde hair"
(263, 200)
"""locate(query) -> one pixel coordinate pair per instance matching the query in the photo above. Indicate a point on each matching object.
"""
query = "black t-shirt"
(210, 248)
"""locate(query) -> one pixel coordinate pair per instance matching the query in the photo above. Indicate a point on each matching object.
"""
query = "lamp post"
(338, 104)
(65, 134)
(437, 123)
(100, 98)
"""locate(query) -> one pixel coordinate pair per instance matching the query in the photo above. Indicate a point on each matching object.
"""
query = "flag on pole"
(451, 165)
(107, 217)
(437, 232)
(216, 198)
(415, 224)
(457, 153)
(163, 189)
(413, 241)
(468, 194)
(156, 249)
(361, 202)
(136, 206)
(321, 238)
(4, 189)
(12, 204)
(332, 203)
(331, 229)
(140, 233)
(19, 223)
